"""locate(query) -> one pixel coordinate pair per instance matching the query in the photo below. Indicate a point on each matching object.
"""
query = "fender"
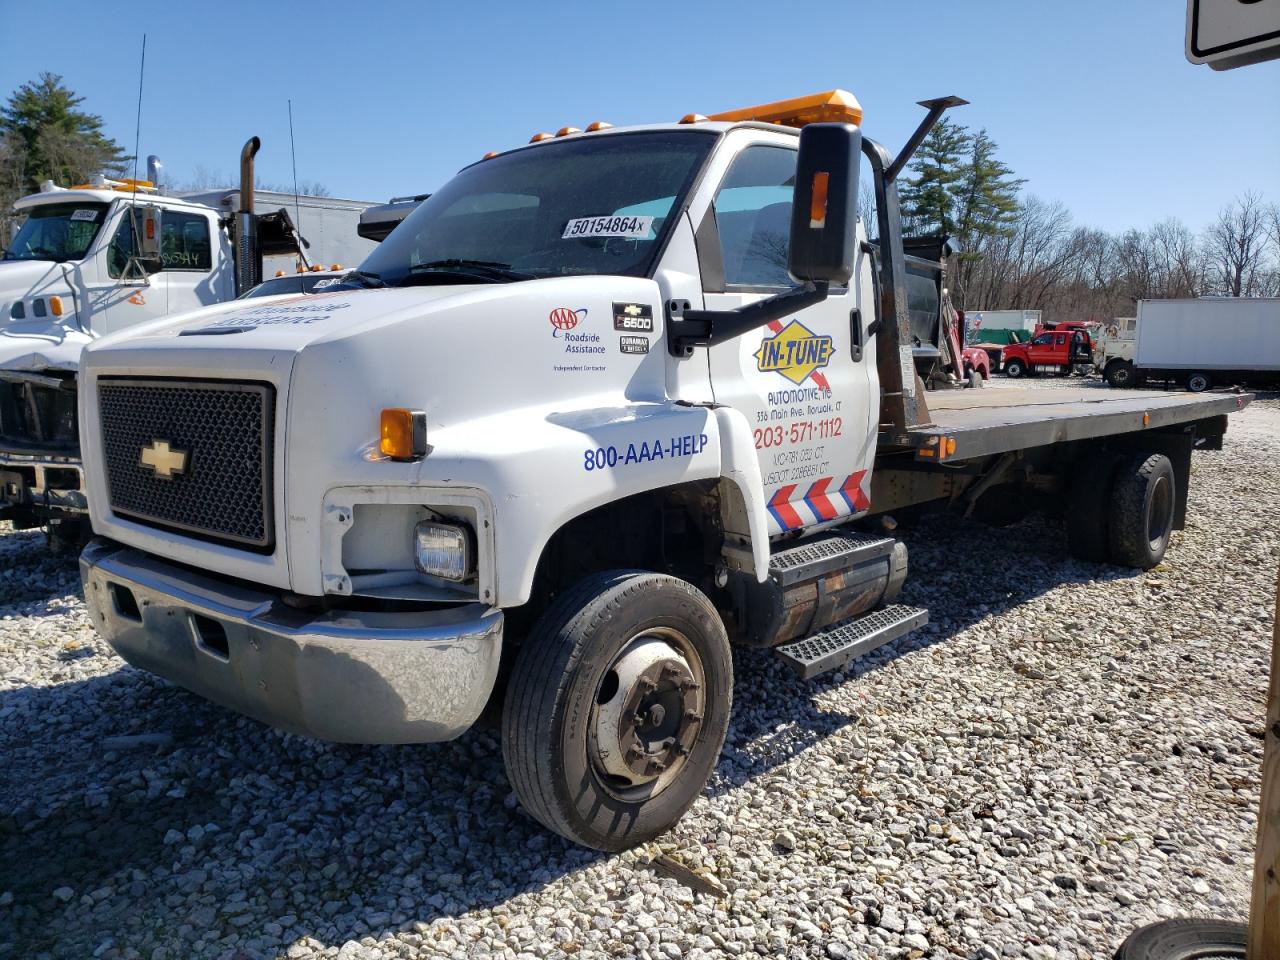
(740, 466)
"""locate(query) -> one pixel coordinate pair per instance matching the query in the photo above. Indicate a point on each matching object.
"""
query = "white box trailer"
(1208, 341)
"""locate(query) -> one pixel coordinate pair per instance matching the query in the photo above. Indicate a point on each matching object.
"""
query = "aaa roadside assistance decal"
(794, 351)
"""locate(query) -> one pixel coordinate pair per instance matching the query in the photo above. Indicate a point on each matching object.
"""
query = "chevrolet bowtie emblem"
(162, 459)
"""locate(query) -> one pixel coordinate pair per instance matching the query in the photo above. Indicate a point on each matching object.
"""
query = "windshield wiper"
(364, 278)
(481, 269)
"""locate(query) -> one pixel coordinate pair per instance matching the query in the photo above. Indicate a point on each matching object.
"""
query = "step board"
(850, 639)
(821, 555)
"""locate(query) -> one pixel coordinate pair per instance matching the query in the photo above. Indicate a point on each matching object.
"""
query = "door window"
(184, 245)
(1043, 340)
(753, 217)
(1062, 339)
(184, 242)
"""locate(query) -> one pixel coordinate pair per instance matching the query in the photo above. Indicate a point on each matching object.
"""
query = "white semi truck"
(91, 260)
(602, 405)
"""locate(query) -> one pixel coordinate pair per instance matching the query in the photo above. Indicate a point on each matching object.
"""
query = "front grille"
(38, 414)
(221, 489)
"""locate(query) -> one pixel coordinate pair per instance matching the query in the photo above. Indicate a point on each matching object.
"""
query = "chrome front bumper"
(347, 676)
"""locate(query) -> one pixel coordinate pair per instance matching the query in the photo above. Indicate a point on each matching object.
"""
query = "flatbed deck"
(966, 424)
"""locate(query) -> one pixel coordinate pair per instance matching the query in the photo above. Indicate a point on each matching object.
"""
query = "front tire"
(617, 707)
(1015, 368)
(1186, 939)
(1143, 500)
(1121, 374)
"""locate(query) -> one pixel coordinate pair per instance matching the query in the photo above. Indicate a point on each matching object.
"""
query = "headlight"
(444, 550)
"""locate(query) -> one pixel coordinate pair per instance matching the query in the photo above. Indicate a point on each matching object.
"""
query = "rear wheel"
(973, 378)
(617, 707)
(1186, 939)
(1015, 368)
(1140, 521)
(1064, 370)
(1199, 382)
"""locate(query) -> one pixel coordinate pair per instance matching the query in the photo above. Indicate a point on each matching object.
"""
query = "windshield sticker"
(634, 228)
(633, 317)
(292, 315)
(327, 282)
(633, 344)
(795, 352)
(89, 215)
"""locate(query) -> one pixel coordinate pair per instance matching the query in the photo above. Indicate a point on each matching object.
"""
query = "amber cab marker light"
(595, 125)
(55, 305)
(818, 201)
(539, 137)
(403, 433)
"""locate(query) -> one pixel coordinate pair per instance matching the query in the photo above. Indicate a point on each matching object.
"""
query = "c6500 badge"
(633, 317)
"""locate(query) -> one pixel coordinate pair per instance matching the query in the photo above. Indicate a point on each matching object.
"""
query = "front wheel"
(1015, 368)
(1121, 374)
(973, 378)
(1186, 939)
(617, 708)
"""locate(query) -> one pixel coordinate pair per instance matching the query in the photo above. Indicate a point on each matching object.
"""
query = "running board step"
(821, 555)
(850, 639)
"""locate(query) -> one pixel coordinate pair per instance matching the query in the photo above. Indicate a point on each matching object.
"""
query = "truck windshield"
(588, 205)
(57, 231)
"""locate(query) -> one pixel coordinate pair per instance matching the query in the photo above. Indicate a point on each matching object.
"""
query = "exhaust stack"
(154, 167)
(248, 262)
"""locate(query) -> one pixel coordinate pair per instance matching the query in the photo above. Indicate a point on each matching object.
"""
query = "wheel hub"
(649, 711)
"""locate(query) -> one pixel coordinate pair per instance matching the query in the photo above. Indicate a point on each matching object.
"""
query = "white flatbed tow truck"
(600, 406)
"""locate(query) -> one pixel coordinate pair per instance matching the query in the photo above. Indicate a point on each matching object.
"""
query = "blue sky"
(1092, 101)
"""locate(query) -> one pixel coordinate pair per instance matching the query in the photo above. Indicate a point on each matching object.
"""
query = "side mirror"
(146, 231)
(824, 213)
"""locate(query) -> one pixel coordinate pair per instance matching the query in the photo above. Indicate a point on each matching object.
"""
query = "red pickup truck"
(1060, 349)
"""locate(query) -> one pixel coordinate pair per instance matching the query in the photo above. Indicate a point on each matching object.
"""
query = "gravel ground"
(1067, 751)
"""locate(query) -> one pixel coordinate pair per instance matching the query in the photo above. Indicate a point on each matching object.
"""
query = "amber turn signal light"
(403, 434)
(818, 203)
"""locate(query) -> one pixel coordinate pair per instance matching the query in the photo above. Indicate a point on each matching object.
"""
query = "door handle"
(855, 335)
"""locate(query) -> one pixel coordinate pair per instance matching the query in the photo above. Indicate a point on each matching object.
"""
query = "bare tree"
(1237, 247)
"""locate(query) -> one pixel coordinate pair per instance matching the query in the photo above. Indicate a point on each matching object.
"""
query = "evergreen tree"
(928, 198)
(49, 138)
(986, 193)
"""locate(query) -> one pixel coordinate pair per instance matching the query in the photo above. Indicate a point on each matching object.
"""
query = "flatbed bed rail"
(968, 424)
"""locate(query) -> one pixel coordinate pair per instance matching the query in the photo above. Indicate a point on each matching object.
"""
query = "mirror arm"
(688, 328)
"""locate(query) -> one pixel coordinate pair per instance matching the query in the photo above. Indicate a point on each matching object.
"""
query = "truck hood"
(41, 345)
(36, 343)
(18, 278)
(491, 365)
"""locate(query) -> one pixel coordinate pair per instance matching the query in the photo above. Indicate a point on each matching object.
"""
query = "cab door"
(1040, 351)
(805, 382)
(122, 290)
